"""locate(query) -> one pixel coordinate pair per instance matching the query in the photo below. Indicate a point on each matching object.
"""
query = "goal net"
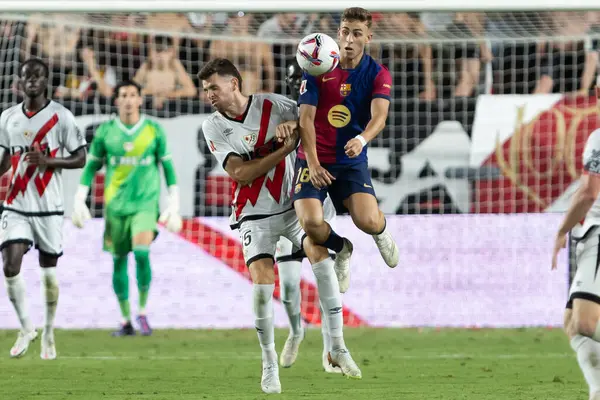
(488, 118)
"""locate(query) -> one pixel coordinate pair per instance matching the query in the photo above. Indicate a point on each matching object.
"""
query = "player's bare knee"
(11, 262)
(262, 272)
(370, 223)
(314, 252)
(314, 226)
(585, 325)
(585, 317)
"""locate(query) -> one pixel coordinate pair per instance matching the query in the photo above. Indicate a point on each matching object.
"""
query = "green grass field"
(396, 364)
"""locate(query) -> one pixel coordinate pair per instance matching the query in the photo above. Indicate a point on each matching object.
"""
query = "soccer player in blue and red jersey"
(340, 112)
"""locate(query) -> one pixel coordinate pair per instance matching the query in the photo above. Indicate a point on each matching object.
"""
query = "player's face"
(33, 80)
(353, 36)
(220, 90)
(129, 100)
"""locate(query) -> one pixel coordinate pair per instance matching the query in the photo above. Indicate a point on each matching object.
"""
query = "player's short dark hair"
(34, 62)
(163, 41)
(358, 14)
(221, 67)
(127, 83)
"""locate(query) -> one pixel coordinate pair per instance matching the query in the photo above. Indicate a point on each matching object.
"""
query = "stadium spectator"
(410, 64)
(568, 66)
(169, 22)
(287, 26)
(55, 39)
(250, 57)
(104, 77)
(163, 76)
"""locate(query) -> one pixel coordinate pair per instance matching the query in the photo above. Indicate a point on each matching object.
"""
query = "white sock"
(263, 312)
(289, 279)
(331, 300)
(588, 357)
(50, 296)
(15, 286)
(325, 331)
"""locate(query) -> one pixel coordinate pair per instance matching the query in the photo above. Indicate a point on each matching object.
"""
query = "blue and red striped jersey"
(343, 100)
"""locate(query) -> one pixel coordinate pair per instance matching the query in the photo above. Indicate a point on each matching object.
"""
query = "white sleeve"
(217, 143)
(4, 139)
(72, 137)
(288, 108)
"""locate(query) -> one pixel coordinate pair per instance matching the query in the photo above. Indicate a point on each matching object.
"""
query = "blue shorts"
(349, 179)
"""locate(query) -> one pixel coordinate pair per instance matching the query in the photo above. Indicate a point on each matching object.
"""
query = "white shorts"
(260, 237)
(586, 282)
(45, 232)
(286, 251)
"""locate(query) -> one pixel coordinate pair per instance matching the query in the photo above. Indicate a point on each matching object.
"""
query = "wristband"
(361, 139)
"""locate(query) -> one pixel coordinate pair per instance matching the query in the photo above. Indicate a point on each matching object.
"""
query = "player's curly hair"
(221, 67)
(358, 14)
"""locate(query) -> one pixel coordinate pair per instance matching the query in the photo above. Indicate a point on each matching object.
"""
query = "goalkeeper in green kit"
(131, 147)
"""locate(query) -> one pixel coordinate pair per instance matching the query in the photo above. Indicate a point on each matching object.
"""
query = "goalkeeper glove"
(81, 212)
(170, 216)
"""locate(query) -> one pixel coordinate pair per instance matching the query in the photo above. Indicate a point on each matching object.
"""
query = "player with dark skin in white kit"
(33, 137)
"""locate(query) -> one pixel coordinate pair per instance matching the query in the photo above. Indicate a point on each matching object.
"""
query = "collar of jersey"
(133, 129)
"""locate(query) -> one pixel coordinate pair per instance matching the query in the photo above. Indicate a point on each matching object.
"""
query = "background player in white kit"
(241, 135)
(34, 136)
(289, 261)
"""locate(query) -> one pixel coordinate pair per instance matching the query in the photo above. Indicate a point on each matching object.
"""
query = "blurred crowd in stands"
(433, 57)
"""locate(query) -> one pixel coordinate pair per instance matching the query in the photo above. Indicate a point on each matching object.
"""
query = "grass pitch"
(215, 364)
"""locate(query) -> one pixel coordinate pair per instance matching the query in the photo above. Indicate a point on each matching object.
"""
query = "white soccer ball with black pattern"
(318, 54)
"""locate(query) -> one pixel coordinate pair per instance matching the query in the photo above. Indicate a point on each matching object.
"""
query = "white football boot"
(328, 367)
(270, 378)
(22, 344)
(48, 351)
(290, 349)
(387, 248)
(342, 358)
(342, 265)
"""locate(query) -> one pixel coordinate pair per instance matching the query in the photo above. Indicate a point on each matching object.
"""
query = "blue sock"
(334, 242)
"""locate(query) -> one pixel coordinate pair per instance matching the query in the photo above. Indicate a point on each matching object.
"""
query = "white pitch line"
(242, 356)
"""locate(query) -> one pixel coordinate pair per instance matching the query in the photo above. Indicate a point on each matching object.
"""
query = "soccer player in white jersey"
(582, 314)
(241, 135)
(39, 138)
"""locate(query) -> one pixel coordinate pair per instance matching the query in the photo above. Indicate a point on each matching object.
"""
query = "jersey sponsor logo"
(345, 89)
(339, 116)
(124, 160)
(303, 86)
(18, 150)
(593, 163)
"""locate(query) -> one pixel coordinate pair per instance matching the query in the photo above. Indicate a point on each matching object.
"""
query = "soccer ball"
(318, 54)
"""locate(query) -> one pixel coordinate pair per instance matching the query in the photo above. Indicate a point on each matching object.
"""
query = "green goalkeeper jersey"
(132, 156)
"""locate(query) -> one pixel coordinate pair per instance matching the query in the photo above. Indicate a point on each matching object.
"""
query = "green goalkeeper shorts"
(120, 230)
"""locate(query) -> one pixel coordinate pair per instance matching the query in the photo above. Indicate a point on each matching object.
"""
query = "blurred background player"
(132, 148)
(333, 151)
(241, 134)
(289, 261)
(582, 314)
(36, 133)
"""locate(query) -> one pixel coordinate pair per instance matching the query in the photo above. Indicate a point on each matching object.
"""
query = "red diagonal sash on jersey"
(252, 191)
(21, 181)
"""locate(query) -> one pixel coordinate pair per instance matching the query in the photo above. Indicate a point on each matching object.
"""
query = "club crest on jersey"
(128, 146)
(28, 134)
(251, 139)
(298, 188)
(345, 89)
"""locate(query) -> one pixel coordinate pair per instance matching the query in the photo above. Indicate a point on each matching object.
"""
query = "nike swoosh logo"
(367, 186)
(328, 79)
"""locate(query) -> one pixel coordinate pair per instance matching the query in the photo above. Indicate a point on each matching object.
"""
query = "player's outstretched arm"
(379, 113)
(5, 163)
(170, 216)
